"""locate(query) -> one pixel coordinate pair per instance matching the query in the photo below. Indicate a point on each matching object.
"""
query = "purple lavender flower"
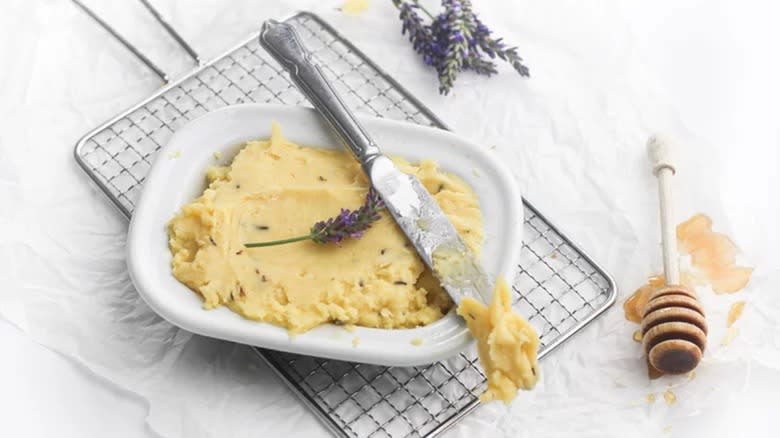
(480, 66)
(348, 224)
(496, 47)
(457, 49)
(454, 40)
(419, 33)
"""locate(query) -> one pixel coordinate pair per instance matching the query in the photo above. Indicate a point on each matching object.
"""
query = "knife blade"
(409, 203)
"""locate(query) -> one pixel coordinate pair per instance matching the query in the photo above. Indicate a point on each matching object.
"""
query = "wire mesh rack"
(557, 287)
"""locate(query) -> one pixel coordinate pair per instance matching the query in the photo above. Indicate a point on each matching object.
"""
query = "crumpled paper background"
(573, 134)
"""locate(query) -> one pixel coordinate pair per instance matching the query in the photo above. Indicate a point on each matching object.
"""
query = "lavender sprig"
(480, 66)
(457, 45)
(348, 224)
(419, 34)
(496, 47)
(455, 40)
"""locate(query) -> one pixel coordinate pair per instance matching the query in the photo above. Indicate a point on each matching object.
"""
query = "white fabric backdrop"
(604, 76)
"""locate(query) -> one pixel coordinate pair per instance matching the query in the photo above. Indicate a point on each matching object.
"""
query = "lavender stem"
(348, 224)
(422, 8)
(278, 242)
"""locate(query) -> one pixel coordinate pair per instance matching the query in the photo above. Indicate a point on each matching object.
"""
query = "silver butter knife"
(413, 208)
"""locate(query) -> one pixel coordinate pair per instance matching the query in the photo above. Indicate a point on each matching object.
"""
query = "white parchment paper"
(573, 134)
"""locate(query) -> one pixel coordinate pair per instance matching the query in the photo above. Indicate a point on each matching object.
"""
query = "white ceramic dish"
(178, 176)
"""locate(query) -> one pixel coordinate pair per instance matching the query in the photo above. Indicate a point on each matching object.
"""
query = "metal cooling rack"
(558, 287)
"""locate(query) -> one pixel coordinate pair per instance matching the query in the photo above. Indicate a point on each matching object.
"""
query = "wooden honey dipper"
(674, 330)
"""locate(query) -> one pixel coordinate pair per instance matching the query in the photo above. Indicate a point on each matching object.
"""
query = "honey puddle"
(670, 397)
(735, 311)
(713, 257)
(634, 306)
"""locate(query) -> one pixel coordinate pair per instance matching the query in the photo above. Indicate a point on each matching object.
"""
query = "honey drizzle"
(735, 311)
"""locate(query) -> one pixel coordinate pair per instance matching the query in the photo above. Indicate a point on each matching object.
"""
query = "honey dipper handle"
(659, 150)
